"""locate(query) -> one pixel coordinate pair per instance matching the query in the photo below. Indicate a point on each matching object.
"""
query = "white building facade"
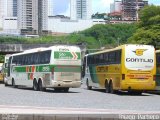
(10, 25)
(8, 8)
(57, 25)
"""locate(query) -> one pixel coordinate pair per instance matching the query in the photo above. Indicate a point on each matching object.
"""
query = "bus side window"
(158, 58)
(36, 58)
(118, 56)
(106, 58)
(47, 56)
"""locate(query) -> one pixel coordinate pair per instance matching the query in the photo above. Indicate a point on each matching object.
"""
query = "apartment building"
(32, 15)
(80, 9)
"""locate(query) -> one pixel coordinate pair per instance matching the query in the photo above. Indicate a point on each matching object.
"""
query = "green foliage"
(8, 39)
(99, 16)
(95, 37)
(1, 58)
(110, 33)
(148, 15)
(149, 27)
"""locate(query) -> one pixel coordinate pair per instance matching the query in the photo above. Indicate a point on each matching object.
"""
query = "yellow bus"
(158, 70)
(1, 72)
(128, 67)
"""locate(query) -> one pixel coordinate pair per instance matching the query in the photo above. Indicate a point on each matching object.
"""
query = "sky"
(62, 7)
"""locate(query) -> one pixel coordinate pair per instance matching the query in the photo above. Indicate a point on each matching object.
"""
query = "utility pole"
(137, 16)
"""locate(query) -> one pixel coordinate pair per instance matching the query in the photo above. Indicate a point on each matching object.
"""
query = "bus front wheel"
(88, 87)
(13, 83)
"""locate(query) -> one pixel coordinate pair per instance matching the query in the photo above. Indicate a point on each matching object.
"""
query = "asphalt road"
(79, 98)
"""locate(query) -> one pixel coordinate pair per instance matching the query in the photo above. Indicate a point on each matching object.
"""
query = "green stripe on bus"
(93, 74)
(67, 55)
(47, 68)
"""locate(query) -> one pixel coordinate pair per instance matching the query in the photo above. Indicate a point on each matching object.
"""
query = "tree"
(111, 33)
(148, 31)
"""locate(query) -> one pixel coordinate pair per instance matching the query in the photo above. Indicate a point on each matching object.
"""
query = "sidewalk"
(49, 113)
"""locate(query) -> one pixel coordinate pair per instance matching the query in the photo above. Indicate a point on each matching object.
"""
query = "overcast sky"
(101, 6)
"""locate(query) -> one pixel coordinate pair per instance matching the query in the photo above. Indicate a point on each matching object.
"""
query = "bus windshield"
(139, 57)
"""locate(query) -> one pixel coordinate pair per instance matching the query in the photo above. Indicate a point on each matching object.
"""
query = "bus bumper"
(138, 86)
(73, 84)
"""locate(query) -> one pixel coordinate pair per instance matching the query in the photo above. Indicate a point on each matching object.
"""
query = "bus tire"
(107, 87)
(87, 84)
(40, 86)
(135, 92)
(65, 89)
(6, 84)
(13, 83)
(35, 85)
(111, 89)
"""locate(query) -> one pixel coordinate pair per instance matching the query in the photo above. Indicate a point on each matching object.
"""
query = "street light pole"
(118, 40)
(137, 10)
(100, 44)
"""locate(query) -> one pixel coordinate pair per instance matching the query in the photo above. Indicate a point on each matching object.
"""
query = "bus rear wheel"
(35, 85)
(65, 89)
(40, 86)
(111, 89)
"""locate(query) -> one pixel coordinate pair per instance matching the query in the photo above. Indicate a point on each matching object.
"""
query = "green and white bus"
(57, 67)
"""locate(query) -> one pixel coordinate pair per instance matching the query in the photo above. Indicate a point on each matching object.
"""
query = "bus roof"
(106, 50)
(116, 48)
(46, 48)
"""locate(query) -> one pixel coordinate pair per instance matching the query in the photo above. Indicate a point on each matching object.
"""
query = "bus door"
(9, 67)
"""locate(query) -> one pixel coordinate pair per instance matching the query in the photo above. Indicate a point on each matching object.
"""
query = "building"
(14, 8)
(66, 26)
(126, 9)
(80, 9)
(51, 5)
(8, 8)
(116, 10)
(33, 15)
(130, 8)
(10, 25)
(25, 14)
(116, 7)
(11, 8)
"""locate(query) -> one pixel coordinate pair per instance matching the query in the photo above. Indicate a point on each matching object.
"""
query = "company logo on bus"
(139, 52)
